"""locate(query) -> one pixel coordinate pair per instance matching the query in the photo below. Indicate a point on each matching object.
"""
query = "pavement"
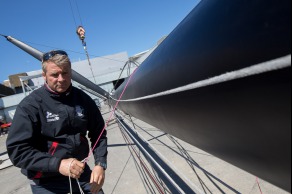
(203, 172)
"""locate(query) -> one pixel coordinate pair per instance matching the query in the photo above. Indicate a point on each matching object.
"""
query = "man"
(47, 139)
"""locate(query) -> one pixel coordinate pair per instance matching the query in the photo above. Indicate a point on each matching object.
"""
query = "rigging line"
(120, 76)
(73, 13)
(142, 173)
(112, 114)
(257, 180)
(166, 190)
(121, 174)
(71, 51)
(140, 167)
(194, 163)
(146, 182)
(158, 186)
(89, 64)
(273, 65)
(83, 42)
(129, 65)
(106, 113)
(203, 184)
(72, 10)
(132, 122)
(4, 36)
(137, 64)
(193, 167)
(189, 159)
(163, 144)
(150, 158)
(166, 160)
(78, 12)
(208, 175)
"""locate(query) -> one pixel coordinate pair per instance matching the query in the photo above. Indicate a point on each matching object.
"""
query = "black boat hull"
(245, 121)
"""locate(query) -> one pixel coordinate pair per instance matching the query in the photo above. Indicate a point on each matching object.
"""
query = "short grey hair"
(59, 60)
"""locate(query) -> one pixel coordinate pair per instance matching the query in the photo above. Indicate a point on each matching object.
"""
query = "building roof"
(5, 91)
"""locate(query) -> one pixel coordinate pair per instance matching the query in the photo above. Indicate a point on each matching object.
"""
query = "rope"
(188, 158)
(120, 76)
(82, 37)
(87, 55)
(110, 118)
(3, 35)
(121, 174)
(265, 67)
(73, 13)
(70, 183)
(157, 185)
(79, 13)
(186, 154)
(129, 62)
(143, 175)
(151, 157)
(80, 189)
(70, 175)
(257, 180)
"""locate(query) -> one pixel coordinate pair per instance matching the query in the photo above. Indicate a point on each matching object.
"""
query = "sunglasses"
(51, 54)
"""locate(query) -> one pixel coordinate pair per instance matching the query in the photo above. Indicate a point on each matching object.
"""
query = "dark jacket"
(49, 127)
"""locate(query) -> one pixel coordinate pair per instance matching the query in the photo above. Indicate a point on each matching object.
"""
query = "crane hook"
(81, 34)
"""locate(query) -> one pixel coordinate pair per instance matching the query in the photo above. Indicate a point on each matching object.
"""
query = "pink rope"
(259, 185)
(112, 114)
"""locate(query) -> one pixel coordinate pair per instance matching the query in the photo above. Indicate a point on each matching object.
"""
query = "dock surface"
(201, 171)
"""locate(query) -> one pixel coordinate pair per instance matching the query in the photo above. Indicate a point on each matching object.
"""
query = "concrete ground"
(125, 175)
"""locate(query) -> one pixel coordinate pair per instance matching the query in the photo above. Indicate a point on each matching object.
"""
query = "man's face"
(57, 78)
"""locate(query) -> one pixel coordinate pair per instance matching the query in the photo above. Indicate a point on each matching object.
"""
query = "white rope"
(272, 65)
(71, 192)
(70, 175)
(80, 189)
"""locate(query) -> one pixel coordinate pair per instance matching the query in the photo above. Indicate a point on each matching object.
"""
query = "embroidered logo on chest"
(52, 117)
(79, 110)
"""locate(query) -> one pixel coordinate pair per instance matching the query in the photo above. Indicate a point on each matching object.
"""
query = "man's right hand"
(71, 167)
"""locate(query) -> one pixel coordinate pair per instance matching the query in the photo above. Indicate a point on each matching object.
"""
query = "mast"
(75, 75)
(221, 81)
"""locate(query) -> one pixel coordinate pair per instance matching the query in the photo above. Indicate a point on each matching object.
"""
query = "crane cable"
(81, 34)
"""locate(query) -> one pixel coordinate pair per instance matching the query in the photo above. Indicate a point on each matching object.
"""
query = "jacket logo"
(79, 111)
(52, 117)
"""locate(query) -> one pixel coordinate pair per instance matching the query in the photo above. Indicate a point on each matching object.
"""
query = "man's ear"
(44, 76)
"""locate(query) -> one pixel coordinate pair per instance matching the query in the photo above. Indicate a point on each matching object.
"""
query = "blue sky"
(111, 26)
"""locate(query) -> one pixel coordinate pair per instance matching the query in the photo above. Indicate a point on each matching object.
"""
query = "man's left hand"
(97, 179)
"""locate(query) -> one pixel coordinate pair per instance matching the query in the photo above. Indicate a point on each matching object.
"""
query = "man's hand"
(97, 179)
(71, 167)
